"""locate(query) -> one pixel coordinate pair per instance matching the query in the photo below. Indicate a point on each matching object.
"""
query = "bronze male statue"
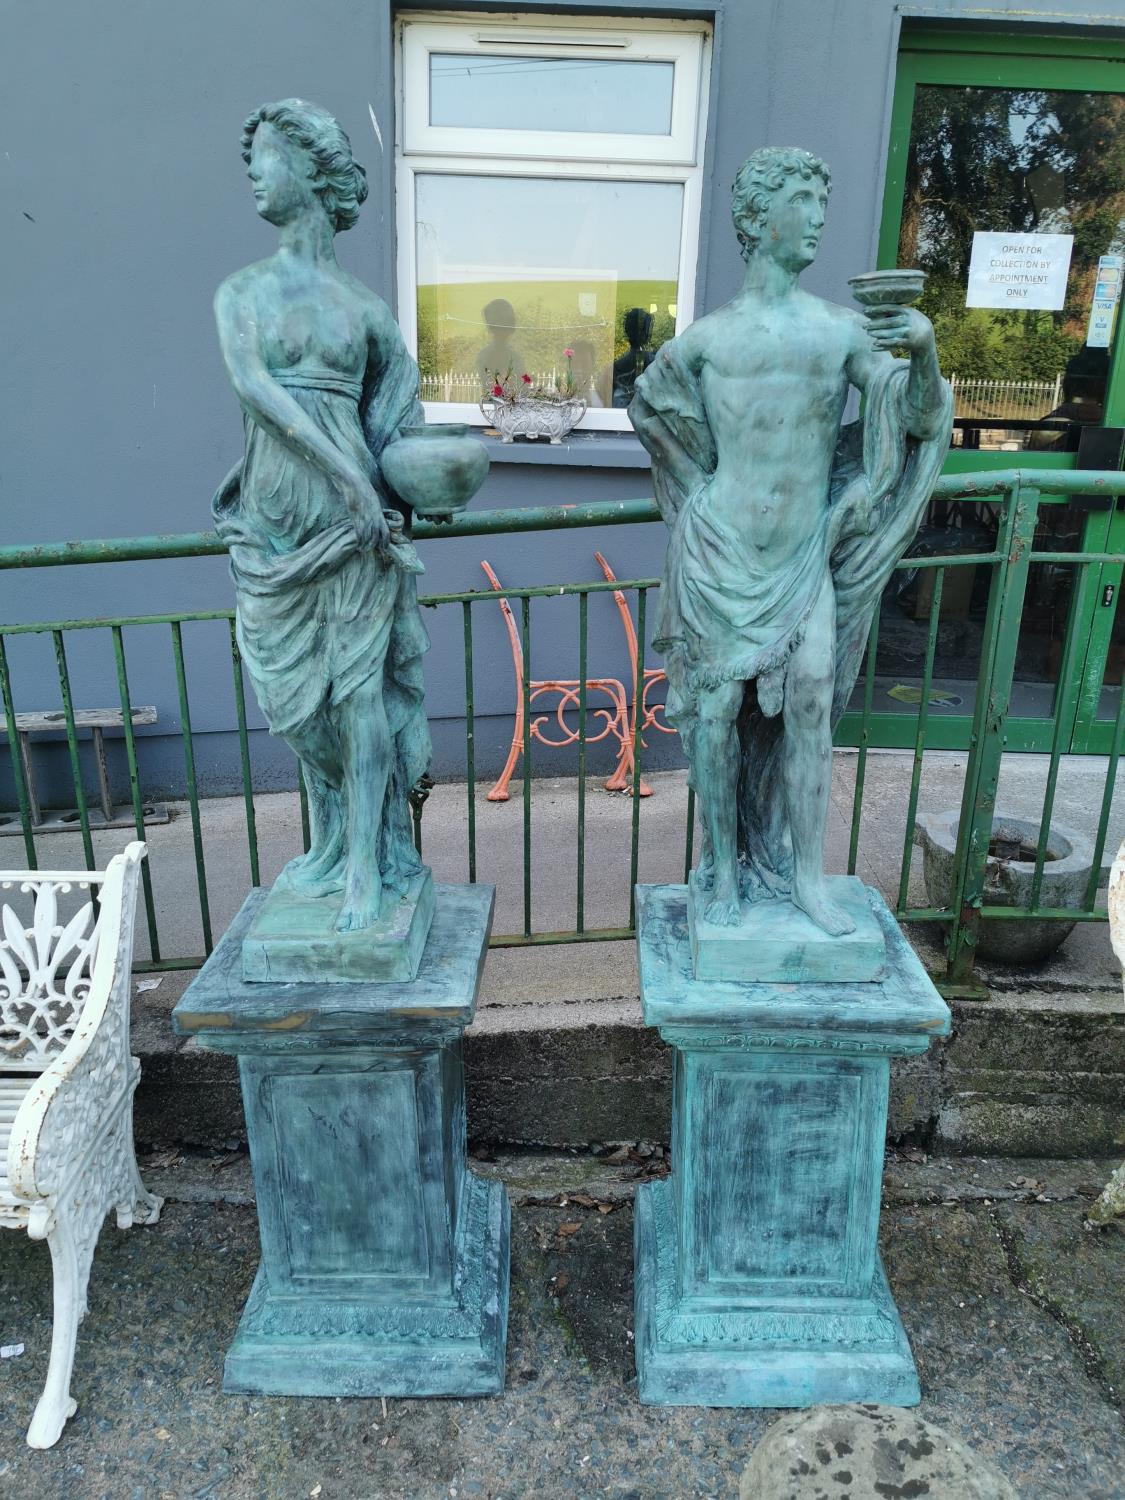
(784, 527)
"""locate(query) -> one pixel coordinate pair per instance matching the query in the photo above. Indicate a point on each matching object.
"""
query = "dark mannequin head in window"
(637, 328)
(1083, 400)
(499, 357)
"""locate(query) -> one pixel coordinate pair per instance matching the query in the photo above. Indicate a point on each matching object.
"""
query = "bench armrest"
(61, 1121)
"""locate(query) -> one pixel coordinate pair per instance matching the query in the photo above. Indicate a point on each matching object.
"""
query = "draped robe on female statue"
(317, 616)
(721, 617)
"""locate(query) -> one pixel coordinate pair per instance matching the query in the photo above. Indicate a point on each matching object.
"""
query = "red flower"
(568, 353)
(497, 390)
(526, 379)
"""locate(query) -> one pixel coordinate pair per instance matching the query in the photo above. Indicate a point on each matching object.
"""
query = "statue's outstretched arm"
(888, 328)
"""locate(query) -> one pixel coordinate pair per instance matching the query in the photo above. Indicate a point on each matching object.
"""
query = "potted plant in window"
(523, 407)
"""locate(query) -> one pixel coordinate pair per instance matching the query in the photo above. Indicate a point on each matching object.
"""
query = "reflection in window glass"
(971, 527)
(513, 271)
(1015, 161)
(551, 93)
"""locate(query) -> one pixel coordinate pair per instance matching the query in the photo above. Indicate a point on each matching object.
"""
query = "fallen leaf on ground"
(569, 1229)
(558, 1284)
(163, 1434)
(163, 1158)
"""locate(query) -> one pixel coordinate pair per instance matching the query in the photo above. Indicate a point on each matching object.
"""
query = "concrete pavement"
(1012, 1307)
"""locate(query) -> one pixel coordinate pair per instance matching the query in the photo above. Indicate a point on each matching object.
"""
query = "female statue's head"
(297, 153)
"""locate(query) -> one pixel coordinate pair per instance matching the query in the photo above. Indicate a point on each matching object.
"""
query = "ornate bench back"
(47, 967)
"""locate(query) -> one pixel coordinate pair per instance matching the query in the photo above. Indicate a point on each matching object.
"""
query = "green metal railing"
(1015, 493)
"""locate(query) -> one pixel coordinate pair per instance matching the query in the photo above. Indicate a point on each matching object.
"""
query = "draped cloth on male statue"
(721, 617)
(317, 617)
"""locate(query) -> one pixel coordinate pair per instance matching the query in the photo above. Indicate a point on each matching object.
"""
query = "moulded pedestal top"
(903, 1008)
(220, 1005)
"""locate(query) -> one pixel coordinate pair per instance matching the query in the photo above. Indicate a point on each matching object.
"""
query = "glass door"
(1006, 184)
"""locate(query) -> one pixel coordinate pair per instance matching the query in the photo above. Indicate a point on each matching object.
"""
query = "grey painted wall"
(125, 204)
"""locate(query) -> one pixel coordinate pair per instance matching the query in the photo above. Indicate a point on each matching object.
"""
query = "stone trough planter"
(1008, 878)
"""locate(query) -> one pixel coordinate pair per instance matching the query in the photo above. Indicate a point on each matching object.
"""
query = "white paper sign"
(1018, 270)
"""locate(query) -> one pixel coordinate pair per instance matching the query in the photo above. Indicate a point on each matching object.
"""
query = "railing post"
(989, 731)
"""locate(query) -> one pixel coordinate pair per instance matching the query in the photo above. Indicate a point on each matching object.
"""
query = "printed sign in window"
(1018, 270)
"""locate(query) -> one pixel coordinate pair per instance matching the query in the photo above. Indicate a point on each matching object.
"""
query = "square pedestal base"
(293, 939)
(384, 1267)
(777, 943)
(783, 1351)
(315, 1345)
(758, 1281)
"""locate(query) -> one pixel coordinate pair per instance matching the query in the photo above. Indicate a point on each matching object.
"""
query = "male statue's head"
(298, 159)
(778, 202)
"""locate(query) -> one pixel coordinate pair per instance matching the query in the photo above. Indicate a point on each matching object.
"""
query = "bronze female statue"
(328, 618)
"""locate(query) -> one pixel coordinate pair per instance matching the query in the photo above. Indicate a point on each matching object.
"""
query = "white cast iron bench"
(67, 1081)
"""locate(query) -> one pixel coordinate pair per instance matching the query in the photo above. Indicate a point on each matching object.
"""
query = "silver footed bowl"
(436, 469)
(887, 288)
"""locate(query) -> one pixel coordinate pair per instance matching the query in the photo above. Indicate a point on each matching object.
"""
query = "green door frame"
(1023, 59)
(1105, 532)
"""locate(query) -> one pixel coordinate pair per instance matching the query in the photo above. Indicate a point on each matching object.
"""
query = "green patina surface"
(293, 938)
(316, 519)
(758, 1282)
(384, 1266)
(782, 943)
(784, 527)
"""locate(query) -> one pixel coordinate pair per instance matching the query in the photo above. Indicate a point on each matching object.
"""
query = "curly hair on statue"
(338, 179)
(759, 177)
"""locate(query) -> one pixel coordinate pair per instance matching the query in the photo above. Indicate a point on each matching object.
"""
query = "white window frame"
(422, 148)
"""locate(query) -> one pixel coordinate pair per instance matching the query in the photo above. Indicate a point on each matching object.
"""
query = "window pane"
(1016, 162)
(513, 270)
(551, 93)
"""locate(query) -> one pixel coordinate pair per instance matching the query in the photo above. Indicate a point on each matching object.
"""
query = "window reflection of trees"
(1015, 160)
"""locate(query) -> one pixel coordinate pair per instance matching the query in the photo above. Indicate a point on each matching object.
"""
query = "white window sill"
(592, 450)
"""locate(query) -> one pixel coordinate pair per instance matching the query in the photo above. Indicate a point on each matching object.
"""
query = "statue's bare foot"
(312, 874)
(725, 908)
(362, 901)
(831, 918)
